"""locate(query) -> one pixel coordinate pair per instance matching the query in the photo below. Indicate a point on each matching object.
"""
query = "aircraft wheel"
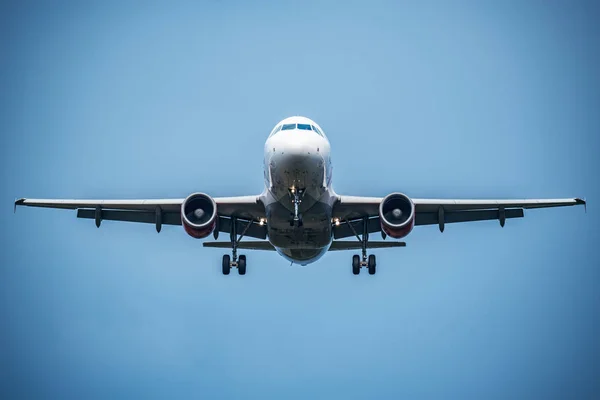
(355, 264)
(372, 264)
(242, 265)
(226, 264)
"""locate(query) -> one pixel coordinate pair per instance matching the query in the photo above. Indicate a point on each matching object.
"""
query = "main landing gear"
(369, 262)
(235, 261)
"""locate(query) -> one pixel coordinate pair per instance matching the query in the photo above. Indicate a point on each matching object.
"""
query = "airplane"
(298, 214)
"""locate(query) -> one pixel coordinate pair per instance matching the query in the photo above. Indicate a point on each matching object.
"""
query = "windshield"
(277, 129)
(289, 127)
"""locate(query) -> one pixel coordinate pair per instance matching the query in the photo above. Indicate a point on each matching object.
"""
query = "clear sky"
(441, 99)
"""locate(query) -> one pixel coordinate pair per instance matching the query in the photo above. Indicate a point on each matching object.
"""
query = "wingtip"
(18, 202)
(583, 202)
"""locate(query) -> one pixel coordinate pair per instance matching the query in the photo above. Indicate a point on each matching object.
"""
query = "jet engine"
(397, 215)
(199, 215)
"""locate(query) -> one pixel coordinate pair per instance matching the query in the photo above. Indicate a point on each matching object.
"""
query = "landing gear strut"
(234, 260)
(369, 262)
(296, 195)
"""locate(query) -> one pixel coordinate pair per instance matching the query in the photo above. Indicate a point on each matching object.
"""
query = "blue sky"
(440, 99)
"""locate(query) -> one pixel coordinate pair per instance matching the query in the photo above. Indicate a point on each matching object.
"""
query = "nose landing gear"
(369, 262)
(296, 195)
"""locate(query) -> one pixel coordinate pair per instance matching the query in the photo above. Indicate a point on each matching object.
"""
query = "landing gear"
(242, 265)
(226, 264)
(369, 262)
(234, 260)
(355, 264)
(296, 195)
(372, 264)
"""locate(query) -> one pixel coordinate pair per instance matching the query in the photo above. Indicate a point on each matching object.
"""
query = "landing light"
(261, 222)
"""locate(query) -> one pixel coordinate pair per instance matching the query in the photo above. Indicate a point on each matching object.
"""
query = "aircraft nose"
(297, 153)
(297, 144)
(297, 160)
(299, 149)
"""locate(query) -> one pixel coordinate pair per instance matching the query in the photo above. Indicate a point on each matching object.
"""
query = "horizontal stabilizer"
(335, 246)
(249, 245)
(356, 245)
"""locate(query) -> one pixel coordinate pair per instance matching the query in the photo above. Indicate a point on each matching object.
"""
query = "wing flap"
(171, 218)
(168, 218)
(427, 218)
(430, 218)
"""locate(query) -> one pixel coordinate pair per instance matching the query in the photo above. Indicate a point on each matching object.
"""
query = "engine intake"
(397, 215)
(199, 215)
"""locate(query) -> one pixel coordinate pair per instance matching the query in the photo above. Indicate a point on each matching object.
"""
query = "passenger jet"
(298, 214)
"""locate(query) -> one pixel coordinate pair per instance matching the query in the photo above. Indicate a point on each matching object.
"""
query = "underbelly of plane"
(302, 256)
(300, 244)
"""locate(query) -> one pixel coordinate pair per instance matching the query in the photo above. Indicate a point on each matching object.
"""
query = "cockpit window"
(289, 127)
(277, 129)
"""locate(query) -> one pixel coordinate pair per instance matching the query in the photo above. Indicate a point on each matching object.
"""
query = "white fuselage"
(297, 159)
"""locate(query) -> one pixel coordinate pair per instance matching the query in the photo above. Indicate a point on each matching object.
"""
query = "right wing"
(161, 211)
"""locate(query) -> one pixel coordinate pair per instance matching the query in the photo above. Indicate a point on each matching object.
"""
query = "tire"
(226, 264)
(242, 265)
(355, 264)
(372, 264)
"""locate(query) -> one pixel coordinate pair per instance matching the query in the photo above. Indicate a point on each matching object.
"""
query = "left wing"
(160, 211)
(353, 209)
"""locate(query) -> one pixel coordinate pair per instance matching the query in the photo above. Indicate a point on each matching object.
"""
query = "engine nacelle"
(397, 215)
(199, 215)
